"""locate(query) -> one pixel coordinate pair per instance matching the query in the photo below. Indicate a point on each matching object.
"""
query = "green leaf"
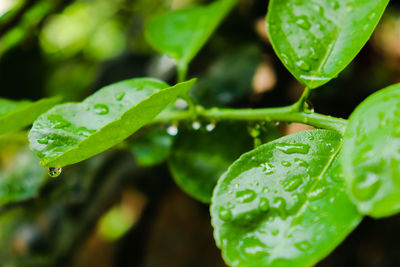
(15, 115)
(284, 203)
(316, 40)
(181, 34)
(73, 132)
(371, 160)
(23, 179)
(199, 158)
(152, 148)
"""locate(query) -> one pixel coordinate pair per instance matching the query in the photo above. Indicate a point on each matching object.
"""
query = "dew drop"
(303, 65)
(303, 22)
(293, 148)
(101, 109)
(275, 232)
(253, 248)
(309, 108)
(210, 127)
(224, 214)
(286, 163)
(366, 187)
(293, 185)
(54, 172)
(264, 204)
(245, 196)
(43, 141)
(196, 125)
(335, 5)
(172, 130)
(317, 194)
(303, 246)
(301, 163)
(267, 168)
(120, 96)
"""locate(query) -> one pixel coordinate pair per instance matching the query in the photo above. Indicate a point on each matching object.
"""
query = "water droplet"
(372, 16)
(120, 96)
(293, 185)
(286, 163)
(335, 5)
(172, 130)
(267, 168)
(43, 141)
(264, 204)
(303, 246)
(303, 22)
(301, 163)
(293, 148)
(313, 54)
(275, 232)
(317, 194)
(365, 187)
(314, 208)
(309, 108)
(54, 172)
(253, 248)
(245, 196)
(196, 125)
(210, 127)
(101, 109)
(279, 204)
(303, 65)
(224, 214)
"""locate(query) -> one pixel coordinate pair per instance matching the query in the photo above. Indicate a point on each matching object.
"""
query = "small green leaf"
(181, 34)
(284, 203)
(199, 157)
(23, 179)
(152, 148)
(316, 40)
(73, 132)
(15, 115)
(371, 154)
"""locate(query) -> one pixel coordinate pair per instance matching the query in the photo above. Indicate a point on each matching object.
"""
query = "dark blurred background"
(110, 210)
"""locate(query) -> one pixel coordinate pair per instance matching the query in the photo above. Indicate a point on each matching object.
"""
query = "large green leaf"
(199, 158)
(371, 153)
(15, 115)
(181, 34)
(73, 132)
(284, 203)
(316, 40)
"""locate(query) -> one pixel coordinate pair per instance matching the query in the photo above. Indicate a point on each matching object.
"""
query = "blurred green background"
(121, 208)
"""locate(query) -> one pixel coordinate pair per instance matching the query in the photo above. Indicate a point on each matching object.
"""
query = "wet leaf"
(73, 132)
(371, 159)
(316, 40)
(284, 203)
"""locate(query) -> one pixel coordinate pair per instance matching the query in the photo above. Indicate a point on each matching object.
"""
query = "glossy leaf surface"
(15, 115)
(181, 34)
(316, 40)
(199, 158)
(284, 203)
(371, 158)
(73, 132)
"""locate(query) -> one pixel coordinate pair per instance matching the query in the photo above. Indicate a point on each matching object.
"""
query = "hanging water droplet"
(210, 127)
(309, 108)
(101, 109)
(172, 130)
(54, 172)
(303, 22)
(304, 66)
(120, 96)
(196, 125)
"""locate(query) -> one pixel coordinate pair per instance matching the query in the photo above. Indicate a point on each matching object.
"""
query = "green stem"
(282, 114)
(300, 104)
